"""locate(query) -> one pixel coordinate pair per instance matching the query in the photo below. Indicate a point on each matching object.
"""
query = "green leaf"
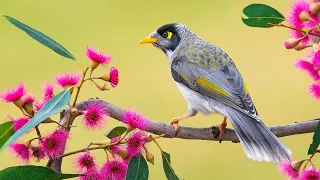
(167, 166)
(260, 15)
(6, 130)
(316, 141)
(42, 38)
(33, 173)
(137, 169)
(54, 105)
(115, 132)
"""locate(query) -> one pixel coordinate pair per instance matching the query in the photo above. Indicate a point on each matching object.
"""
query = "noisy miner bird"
(210, 82)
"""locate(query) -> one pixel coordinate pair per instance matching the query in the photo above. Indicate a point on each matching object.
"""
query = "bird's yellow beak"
(148, 40)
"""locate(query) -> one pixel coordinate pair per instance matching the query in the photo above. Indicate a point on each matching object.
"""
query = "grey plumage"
(211, 83)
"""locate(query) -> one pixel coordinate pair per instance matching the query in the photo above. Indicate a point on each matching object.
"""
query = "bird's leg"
(176, 120)
(222, 127)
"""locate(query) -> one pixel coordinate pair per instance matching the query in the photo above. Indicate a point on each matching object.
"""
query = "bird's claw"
(175, 124)
(222, 128)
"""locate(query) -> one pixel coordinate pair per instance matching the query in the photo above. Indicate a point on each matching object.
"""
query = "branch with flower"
(303, 22)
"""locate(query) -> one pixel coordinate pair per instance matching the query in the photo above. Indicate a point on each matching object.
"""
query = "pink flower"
(37, 153)
(114, 170)
(114, 78)
(85, 161)
(91, 175)
(38, 104)
(287, 171)
(94, 116)
(309, 68)
(136, 143)
(14, 94)
(21, 151)
(98, 57)
(315, 90)
(55, 143)
(311, 174)
(135, 120)
(28, 99)
(18, 123)
(68, 79)
(47, 90)
(298, 7)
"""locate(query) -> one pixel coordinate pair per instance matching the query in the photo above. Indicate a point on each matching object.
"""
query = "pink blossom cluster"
(289, 172)
(115, 168)
(304, 19)
(50, 146)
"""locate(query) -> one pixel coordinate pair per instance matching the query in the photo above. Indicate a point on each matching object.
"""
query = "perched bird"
(210, 82)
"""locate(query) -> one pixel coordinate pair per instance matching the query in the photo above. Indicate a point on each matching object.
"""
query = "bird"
(210, 82)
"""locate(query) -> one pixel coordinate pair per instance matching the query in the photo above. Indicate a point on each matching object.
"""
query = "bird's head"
(168, 37)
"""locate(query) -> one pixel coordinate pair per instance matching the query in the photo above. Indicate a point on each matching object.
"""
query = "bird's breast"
(198, 102)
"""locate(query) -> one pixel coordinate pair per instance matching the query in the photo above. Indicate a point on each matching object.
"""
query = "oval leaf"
(33, 173)
(166, 160)
(260, 15)
(6, 131)
(137, 169)
(315, 141)
(115, 132)
(54, 105)
(42, 38)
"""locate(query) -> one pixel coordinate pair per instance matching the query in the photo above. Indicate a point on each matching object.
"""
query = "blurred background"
(278, 89)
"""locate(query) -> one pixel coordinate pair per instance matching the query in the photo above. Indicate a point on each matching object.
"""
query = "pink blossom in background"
(85, 161)
(94, 116)
(287, 171)
(91, 175)
(311, 174)
(114, 170)
(309, 68)
(55, 143)
(14, 94)
(135, 120)
(315, 90)
(18, 123)
(21, 151)
(98, 57)
(48, 90)
(37, 153)
(28, 99)
(68, 79)
(114, 77)
(136, 143)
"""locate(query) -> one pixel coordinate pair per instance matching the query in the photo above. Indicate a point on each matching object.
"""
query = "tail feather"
(258, 142)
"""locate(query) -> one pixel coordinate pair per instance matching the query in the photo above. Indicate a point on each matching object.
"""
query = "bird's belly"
(198, 102)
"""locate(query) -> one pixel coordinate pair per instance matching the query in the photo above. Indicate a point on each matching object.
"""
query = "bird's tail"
(258, 142)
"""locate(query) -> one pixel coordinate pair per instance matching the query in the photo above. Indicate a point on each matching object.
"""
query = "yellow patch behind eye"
(169, 35)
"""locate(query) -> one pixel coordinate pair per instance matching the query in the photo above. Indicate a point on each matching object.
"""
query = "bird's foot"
(174, 123)
(222, 128)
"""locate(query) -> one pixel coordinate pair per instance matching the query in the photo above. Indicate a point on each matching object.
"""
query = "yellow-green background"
(279, 90)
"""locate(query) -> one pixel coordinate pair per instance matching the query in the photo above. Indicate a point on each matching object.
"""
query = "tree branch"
(208, 133)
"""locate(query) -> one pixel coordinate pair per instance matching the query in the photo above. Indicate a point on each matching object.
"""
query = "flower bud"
(150, 157)
(102, 87)
(28, 143)
(129, 128)
(292, 43)
(149, 138)
(297, 164)
(301, 46)
(304, 16)
(28, 108)
(74, 111)
(315, 8)
(123, 154)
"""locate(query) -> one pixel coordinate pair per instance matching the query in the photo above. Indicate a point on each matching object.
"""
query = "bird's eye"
(167, 35)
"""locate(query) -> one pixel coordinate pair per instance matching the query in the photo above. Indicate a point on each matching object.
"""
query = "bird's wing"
(213, 76)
